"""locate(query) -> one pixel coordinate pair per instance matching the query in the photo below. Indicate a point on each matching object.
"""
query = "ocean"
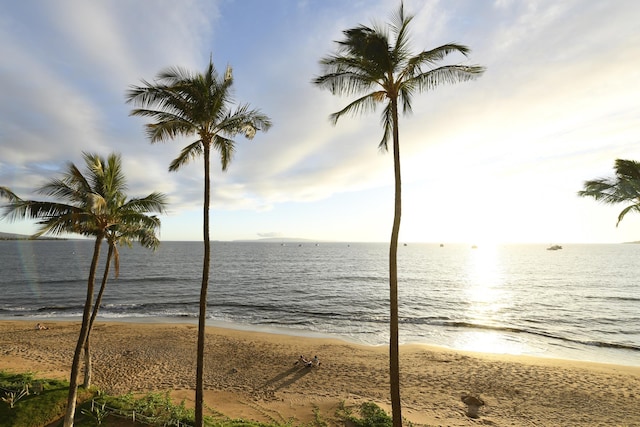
(581, 302)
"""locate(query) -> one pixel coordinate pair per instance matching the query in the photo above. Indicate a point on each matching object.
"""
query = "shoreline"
(536, 349)
(252, 375)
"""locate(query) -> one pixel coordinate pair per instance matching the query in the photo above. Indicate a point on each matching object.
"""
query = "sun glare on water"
(487, 299)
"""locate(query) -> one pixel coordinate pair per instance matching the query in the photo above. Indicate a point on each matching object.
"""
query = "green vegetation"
(371, 415)
(152, 408)
(44, 403)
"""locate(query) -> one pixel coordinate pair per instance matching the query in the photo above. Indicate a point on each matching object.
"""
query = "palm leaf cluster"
(182, 103)
(623, 188)
(95, 205)
(378, 61)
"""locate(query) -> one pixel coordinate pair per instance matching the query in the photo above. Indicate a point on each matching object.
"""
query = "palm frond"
(226, 148)
(341, 81)
(604, 190)
(399, 25)
(623, 188)
(447, 74)
(188, 153)
(169, 129)
(386, 119)
(173, 75)
(363, 104)
(6, 193)
(243, 121)
(626, 210)
(154, 202)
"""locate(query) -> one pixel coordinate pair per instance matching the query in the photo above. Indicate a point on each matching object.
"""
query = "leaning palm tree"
(91, 206)
(381, 70)
(182, 103)
(623, 188)
(134, 225)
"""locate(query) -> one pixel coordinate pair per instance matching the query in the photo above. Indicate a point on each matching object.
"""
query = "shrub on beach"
(371, 415)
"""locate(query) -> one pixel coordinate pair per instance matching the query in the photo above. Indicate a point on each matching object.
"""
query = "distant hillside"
(12, 236)
(277, 240)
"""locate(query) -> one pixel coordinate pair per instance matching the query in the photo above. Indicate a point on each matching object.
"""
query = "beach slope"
(252, 375)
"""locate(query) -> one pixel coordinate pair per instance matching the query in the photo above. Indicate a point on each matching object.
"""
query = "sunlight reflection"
(484, 281)
(489, 342)
(486, 299)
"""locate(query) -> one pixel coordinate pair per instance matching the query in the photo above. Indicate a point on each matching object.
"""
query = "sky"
(497, 160)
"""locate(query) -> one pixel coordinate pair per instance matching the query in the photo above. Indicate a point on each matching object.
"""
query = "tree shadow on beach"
(287, 377)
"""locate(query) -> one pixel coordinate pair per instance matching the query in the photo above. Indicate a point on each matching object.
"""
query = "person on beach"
(315, 362)
(304, 362)
(40, 326)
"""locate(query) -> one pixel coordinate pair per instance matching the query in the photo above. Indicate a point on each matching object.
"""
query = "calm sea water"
(581, 302)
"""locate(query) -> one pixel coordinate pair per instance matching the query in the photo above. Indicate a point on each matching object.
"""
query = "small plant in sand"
(97, 413)
(12, 397)
(318, 421)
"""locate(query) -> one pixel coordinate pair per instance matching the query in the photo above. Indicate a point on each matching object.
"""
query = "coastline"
(252, 375)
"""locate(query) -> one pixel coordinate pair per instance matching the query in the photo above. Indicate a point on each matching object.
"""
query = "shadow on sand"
(287, 377)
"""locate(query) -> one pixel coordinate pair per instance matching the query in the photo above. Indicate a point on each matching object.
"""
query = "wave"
(516, 330)
(59, 308)
(615, 298)
(297, 316)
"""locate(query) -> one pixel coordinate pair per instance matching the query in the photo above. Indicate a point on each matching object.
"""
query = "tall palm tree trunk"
(394, 351)
(199, 418)
(75, 366)
(87, 352)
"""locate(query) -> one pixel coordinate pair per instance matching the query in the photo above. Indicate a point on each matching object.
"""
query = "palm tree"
(93, 207)
(135, 227)
(624, 188)
(182, 103)
(380, 70)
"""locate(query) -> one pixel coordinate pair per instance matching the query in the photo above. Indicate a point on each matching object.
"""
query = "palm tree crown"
(95, 204)
(184, 103)
(369, 61)
(623, 188)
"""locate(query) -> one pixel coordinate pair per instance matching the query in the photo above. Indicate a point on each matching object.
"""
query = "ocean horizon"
(577, 303)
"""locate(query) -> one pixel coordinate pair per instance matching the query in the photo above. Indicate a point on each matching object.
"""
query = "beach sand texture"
(252, 375)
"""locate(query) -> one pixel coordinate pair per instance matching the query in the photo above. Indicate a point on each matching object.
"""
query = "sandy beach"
(252, 375)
